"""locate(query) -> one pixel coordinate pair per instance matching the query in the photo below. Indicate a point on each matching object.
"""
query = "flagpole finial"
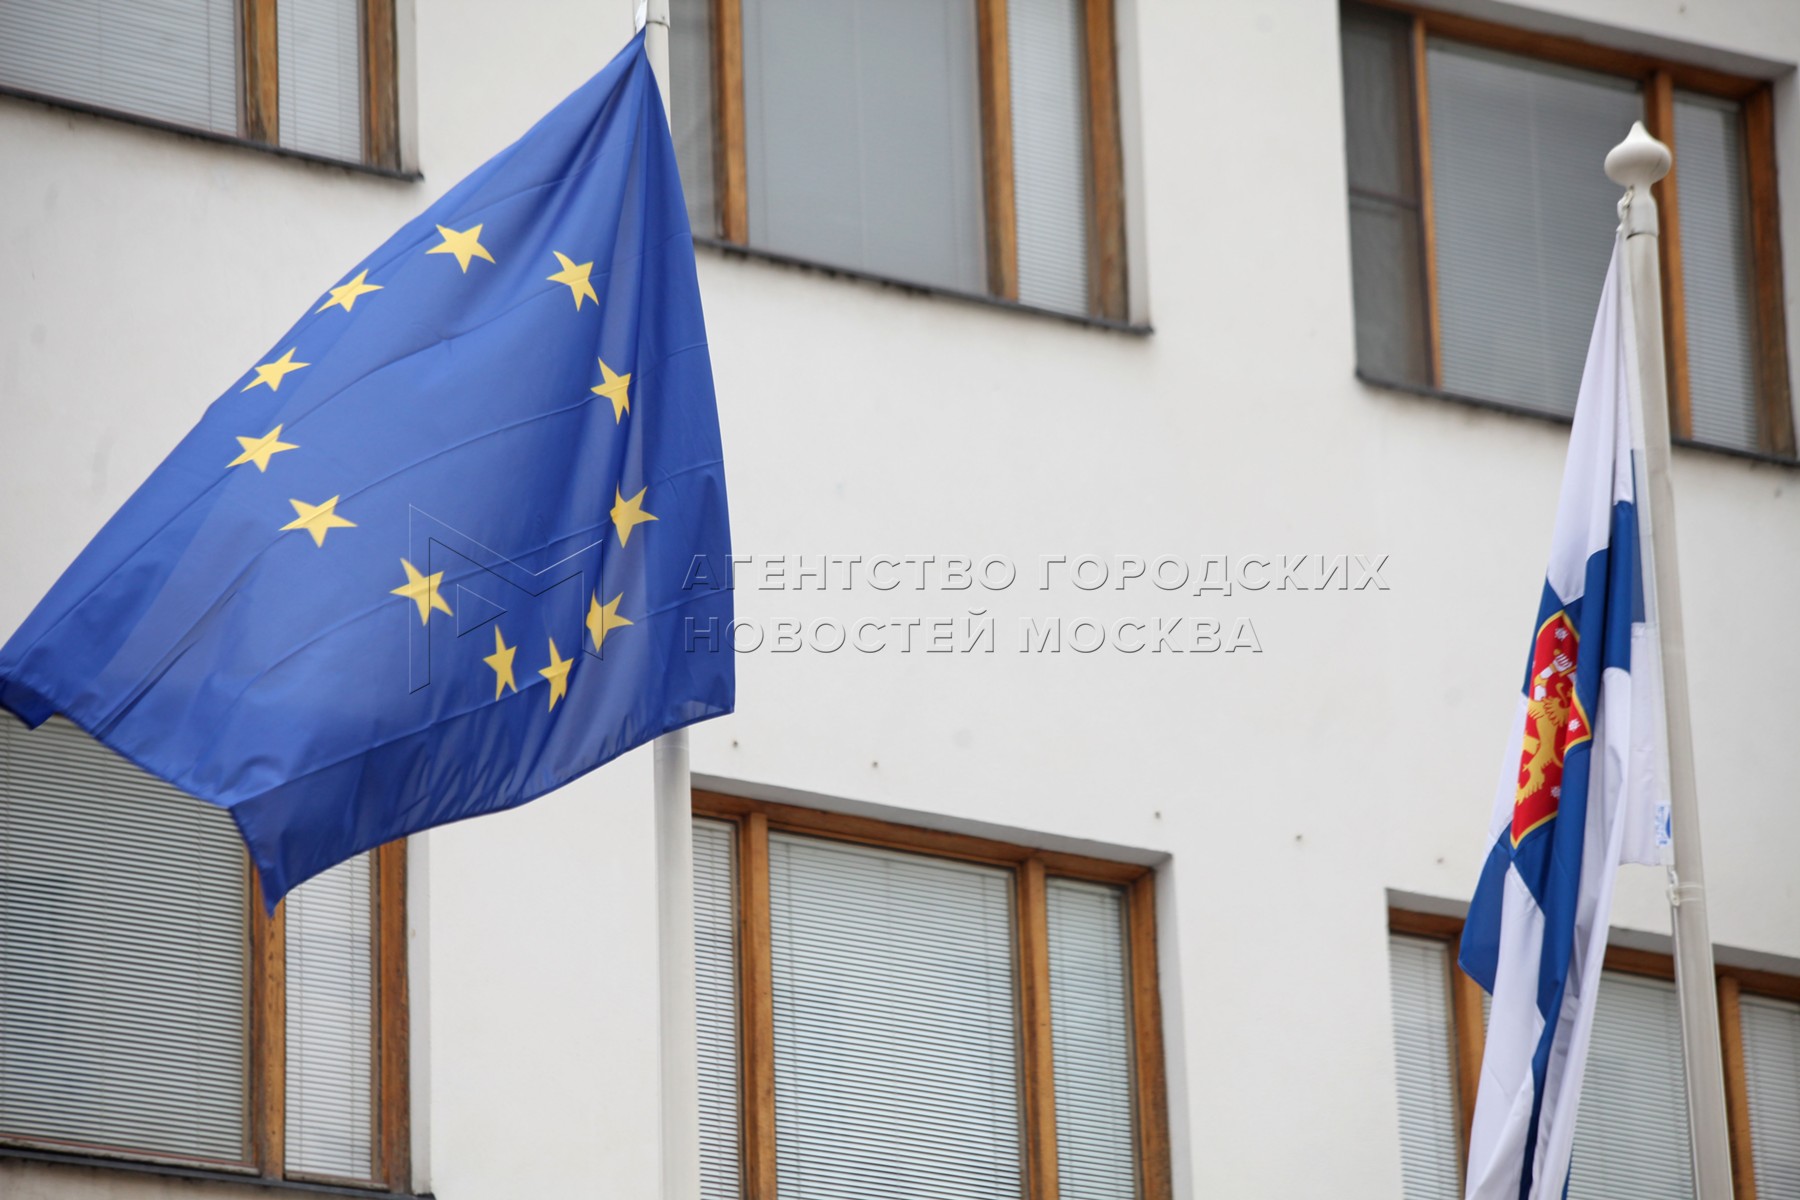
(1638, 161)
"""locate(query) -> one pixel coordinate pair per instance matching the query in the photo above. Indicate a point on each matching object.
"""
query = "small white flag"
(1583, 788)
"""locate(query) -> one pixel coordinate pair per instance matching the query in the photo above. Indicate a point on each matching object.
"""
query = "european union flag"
(430, 558)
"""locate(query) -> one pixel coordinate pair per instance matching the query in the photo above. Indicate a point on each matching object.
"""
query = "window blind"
(321, 77)
(1719, 305)
(716, 1008)
(1090, 1037)
(331, 1023)
(862, 136)
(1388, 271)
(1524, 218)
(896, 1068)
(1772, 1077)
(123, 950)
(1631, 1136)
(1425, 1068)
(171, 60)
(1050, 173)
(691, 97)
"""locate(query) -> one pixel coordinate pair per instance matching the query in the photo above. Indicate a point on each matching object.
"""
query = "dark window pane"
(1380, 142)
(1378, 103)
(1389, 290)
(692, 107)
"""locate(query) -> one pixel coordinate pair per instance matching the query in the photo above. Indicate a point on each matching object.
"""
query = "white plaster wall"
(1291, 790)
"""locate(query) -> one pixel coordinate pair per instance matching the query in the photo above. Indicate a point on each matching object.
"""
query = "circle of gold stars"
(423, 588)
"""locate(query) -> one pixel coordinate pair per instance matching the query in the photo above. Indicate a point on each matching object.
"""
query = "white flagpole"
(679, 1074)
(1634, 164)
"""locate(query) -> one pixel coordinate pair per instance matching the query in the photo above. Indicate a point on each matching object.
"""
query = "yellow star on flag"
(465, 245)
(272, 373)
(260, 450)
(345, 296)
(614, 387)
(627, 514)
(558, 675)
(317, 519)
(602, 619)
(501, 662)
(576, 276)
(422, 590)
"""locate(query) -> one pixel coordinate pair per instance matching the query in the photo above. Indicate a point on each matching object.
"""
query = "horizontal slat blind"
(1524, 218)
(716, 1008)
(1715, 270)
(1772, 1077)
(123, 950)
(321, 77)
(331, 1023)
(1631, 1136)
(862, 139)
(1050, 172)
(896, 1065)
(173, 60)
(1424, 1068)
(1090, 1037)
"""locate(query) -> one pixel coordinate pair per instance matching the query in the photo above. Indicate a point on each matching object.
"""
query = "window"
(968, 145)
(312, 76)
(150, 1010)
(1631, 1138)
(887, 1012)
(1481, 219)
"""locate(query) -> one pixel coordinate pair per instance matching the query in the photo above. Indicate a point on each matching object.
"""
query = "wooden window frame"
(259, 113)
(390, 1051)
(754, 820)
(1108, 298)
(259, 92)
(265, 1002)
(1658, 78)
(1468, 1032)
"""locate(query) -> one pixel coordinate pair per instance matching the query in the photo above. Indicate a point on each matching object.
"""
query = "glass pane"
(1050, 171)
(896, 1070)
(1378, 103)
(692, 106)
(1772, 1077)
(331, 1022)
(1388, 282)
(1425, 1069)
(1524, 217)
(1715, 270)
(320, 57)
(1090, 1036)
(174, 60)
(716, 1008)
(123, 989)
(862, 136)
(1631, 1136)
(1386, 259)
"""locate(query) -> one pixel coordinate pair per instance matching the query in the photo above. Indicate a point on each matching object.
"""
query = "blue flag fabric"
(431, 557)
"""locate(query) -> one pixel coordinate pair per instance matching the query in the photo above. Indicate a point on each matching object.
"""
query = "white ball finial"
(1638, 161)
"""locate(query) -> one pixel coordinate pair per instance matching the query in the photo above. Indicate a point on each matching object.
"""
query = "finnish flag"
(1584, 786)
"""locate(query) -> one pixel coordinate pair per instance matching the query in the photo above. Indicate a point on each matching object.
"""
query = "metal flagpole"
(679, 1062)
(1634, 164)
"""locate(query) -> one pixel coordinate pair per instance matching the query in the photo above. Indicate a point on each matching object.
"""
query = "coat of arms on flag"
(1555, 722)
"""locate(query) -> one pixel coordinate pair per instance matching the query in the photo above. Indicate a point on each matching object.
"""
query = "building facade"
(1144, 422)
